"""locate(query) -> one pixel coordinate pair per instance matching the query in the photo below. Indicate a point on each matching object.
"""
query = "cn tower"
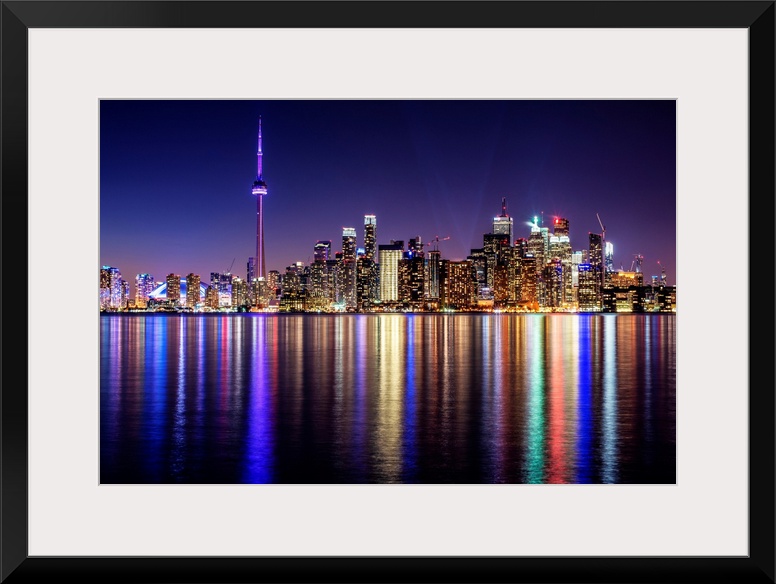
(259, 189)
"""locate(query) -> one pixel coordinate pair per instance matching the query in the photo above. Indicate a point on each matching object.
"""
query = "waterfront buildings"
(390, 254)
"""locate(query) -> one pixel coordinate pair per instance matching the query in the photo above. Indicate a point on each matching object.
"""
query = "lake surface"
(387, 398)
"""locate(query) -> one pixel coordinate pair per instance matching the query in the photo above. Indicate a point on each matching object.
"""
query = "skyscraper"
(349, 266)
(596, 264)
(259, 190)
(560, 247)
(144, 285)
(503, 224)
(192, 290)
(370, 237)
(111, 287)
(322, 251)
(173, 288)
(390, 254)
(433, 267)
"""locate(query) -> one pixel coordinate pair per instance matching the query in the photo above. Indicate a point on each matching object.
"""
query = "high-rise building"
(529, 295)
(504, 224)
(458, 289)
(553, 281)
(349, 267)
(192, 290)
(480, 266)
(432, 274)
(492, 246)
(415, 247)
(589, 293)
(596, 257)
(124, 299)
(366, 283)
(560, 247)
(259, 190)
(273, 283)
(239, 293)
(173, 288)
(144, 285)
(370, 238)
(111, 294)
(390, 254)
(251, 272)
(322, 251)
(211, 297)
(222, 283)
(292, 298)
(411, 272)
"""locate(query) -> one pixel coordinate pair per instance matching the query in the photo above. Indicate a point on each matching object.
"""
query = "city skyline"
(174, 198)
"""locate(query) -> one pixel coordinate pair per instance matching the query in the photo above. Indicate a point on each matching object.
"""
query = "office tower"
(322, 251)
(492, 246)
(370, 238)
(192, 290)
(259, 190)
(480, 267)
(390, 254)
(458, 286)
(504, 224)
(511, 261)
(560, 247)
(144, 285)
(174, 288)
(535, 244)
(349, 267)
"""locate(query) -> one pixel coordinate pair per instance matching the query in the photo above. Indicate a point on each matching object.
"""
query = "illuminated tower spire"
(259, 189)
(259, 170)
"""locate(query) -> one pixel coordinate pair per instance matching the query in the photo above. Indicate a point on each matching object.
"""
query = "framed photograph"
(327, 291)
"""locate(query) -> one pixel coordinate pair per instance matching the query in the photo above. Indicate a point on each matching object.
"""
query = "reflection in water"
(448, 398)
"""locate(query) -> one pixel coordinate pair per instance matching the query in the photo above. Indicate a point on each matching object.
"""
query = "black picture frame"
(19, 16)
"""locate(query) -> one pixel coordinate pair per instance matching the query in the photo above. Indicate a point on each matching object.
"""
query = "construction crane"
(603, 230)
(229, 270)
(436, 240)
(637, 261)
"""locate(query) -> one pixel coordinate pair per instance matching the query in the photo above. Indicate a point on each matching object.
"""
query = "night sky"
(175, 177)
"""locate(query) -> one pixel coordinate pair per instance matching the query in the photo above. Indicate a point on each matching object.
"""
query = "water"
(388, 398)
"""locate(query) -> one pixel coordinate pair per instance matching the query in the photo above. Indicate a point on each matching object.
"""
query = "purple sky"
(175, 177)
